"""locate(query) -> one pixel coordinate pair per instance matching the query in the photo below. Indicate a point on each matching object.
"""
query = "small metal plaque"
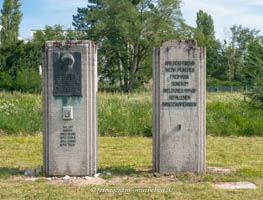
(67, 112)
(67, 74)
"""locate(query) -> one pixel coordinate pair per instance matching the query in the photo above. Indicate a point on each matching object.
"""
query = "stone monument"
(70, 108)
(179, 107)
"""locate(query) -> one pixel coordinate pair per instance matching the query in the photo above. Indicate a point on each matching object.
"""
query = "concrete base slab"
(235, 185)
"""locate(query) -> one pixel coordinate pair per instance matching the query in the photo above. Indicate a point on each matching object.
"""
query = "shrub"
(28, 80)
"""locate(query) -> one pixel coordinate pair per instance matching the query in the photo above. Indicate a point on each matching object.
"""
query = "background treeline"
(125, 33)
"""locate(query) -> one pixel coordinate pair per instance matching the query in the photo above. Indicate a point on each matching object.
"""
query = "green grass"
(227, 114)
(129, 160)
(125, 114)
(131, 115)
(20, 113)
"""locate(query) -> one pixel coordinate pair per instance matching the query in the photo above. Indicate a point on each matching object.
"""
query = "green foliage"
(125, 115)
(109, 89)
(254, 72)
(28, 80)
(19, 63)
(205, 36)
(50, 33)
(6, 81)
(55, 33)
(125, 32)
(10, 20)
(216, 82)
(20, 113)
(205, 24)
(233, 118)
(228, 61)
(256, 95)
(235, 53)
(131, 115)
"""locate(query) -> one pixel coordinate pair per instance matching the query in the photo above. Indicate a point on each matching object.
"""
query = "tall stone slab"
(179, 107)
(70, 108)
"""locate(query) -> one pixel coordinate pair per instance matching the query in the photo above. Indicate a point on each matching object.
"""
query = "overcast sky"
(225, 13)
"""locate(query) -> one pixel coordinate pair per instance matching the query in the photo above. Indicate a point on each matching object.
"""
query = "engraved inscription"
(67, 74)
(67, 137)
(178, 92)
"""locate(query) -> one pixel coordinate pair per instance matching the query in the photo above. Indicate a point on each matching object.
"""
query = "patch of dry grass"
(129, 161)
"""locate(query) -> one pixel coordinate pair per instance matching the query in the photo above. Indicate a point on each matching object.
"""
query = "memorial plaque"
(67, 74)
(179, 107)
(70, 108)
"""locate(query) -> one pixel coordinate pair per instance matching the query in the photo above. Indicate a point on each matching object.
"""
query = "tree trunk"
(136, 62)
(133, 73)
(120, 68)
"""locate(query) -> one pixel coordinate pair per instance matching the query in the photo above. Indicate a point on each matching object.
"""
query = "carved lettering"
(180, 71)
(67, 137)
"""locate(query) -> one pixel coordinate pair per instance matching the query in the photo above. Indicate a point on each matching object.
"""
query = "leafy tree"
(236, 51)
(49, 33)
(254, 74)
(205, 36)
(55, 33)
(125, 32)
(254, 60)
(19, 55)
(10, 20)
(205, 24)
(18, 59)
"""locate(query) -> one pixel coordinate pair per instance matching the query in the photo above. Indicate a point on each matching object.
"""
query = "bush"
(19, 64)
(256, 95)
(6, 81)
(28, 80)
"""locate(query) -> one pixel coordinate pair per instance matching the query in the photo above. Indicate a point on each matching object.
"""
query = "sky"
(225, 13)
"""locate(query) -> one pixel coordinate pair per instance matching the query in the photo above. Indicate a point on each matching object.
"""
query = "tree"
(19, 61)
(205, 36)
(254, 72)
(236, 51)
(205, 24)
(18, 56)
(125, 32)
(55, 33)
(10, 20)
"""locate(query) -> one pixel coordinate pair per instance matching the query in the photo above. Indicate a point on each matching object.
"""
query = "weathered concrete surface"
(179, 108)
(70, 145)
(235, 185)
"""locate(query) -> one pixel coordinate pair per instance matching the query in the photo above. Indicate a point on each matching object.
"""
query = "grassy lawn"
(129, 161)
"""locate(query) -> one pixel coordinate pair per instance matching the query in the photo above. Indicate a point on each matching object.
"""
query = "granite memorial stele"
(70, 108)
(179, 107)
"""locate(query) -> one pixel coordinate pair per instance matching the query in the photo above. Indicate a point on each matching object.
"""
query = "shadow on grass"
(124, 171)
(7, 172)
